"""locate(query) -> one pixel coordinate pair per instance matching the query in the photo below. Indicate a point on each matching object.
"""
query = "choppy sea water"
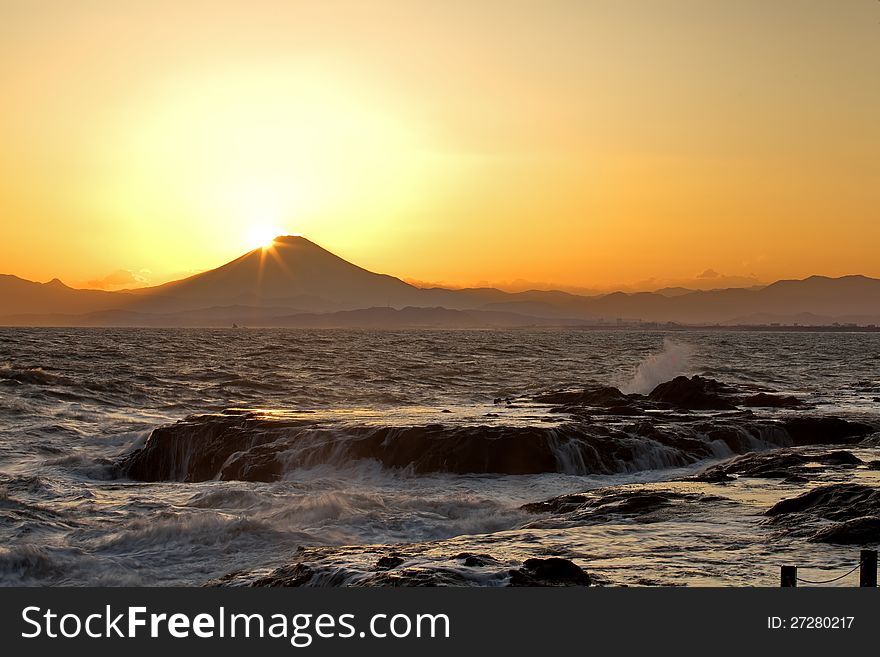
(75, 403)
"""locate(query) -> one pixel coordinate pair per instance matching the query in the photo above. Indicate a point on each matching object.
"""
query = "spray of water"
(660, 367)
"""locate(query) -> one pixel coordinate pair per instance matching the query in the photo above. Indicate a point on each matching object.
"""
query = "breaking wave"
(660, 367)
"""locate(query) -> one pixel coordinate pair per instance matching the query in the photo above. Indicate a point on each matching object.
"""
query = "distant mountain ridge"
(298, 283)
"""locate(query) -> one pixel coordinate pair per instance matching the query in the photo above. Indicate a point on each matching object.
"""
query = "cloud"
(710, 279)
(121, 278)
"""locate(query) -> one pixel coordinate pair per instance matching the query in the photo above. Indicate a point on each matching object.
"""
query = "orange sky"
(575, 143)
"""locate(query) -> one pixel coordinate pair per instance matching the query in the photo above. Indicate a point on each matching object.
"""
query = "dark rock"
(712, 476)
(696, 393)
(740, 438)
(763, 400)
(624, 410)
(606, 504)
(858, 531)
(874, 465)
(604, 396)
(417, 577)
(837, 502)
(561, 504)
(476, 560)
(249, 446)
(786, 465)
(549, 572)
(388, 562)
(764, 465)
(825, 430)
(837, 458)
(297, 574)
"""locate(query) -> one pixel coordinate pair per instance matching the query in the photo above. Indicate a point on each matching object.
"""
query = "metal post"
(868, 569)
(789, 576)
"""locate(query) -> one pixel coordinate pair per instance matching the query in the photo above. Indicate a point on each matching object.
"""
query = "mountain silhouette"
(295, 282)
(19, 296)
(292, 272)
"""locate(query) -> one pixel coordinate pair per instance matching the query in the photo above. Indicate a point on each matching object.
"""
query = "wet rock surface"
(298, 574)
(765, 400)
(781, 464)
(846, 513)
(549, 572)
(817, 430)
(319, 567)
(603, 505)
(695, 393)
(858, 531)
(476, 560)
(388, 562)
(256, 449)
(604, 396)
(832, 502)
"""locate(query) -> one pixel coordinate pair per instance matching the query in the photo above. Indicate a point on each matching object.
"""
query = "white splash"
(660, 367)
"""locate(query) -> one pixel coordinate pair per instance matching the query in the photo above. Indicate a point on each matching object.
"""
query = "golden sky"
(576, 143)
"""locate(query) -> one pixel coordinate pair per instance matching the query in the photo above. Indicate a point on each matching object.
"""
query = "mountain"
(18, 296)
(819, 295)
(295, 282)
(292, 273)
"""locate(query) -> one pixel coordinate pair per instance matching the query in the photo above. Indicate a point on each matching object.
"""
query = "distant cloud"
(710, 279)
(429, 284)
(119, 279)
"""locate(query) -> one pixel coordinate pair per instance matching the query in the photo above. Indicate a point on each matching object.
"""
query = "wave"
(663, 366)
(33, 375)
(23, 563)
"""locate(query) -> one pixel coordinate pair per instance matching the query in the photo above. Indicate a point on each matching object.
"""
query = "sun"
(263, 236)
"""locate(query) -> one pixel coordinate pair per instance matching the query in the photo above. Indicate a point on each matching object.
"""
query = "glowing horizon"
(570, 145)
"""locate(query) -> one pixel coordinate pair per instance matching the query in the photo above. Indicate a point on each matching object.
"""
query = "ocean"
(198, 457)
